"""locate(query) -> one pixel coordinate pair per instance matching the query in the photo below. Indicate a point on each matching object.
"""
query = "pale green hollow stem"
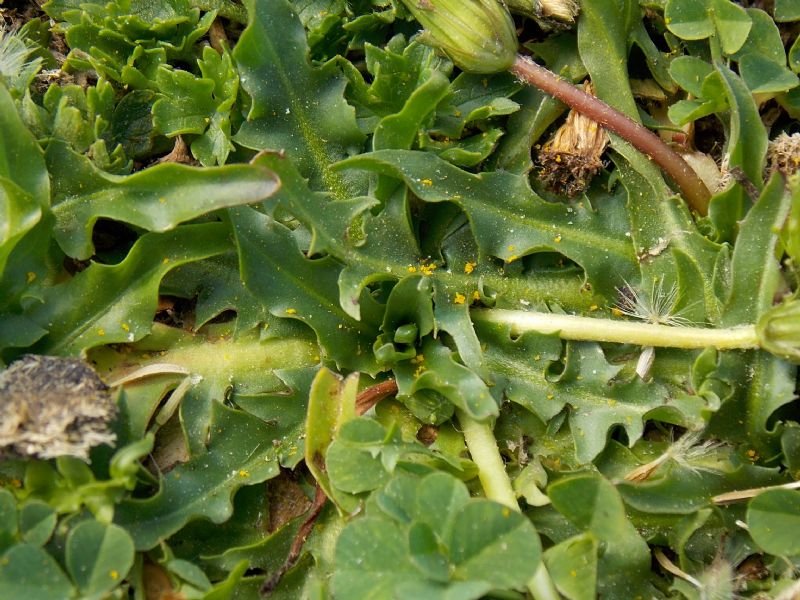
(573, 327)
(483, 449)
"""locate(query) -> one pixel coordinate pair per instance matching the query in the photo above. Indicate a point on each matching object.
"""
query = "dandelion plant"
(349, 300)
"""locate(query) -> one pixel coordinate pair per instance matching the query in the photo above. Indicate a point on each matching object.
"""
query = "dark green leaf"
(689, 19)
(573, 566)
(296, 107)
(763, 75)
(157, 199)
(98, 557)
(754, 268)
(29, 572)
(8, 519)
(504, 550)
(764, 38)
(36, 522)
(587, 385)
(747, 140)
(296, 287)
(790, 444)
(436, 369)
(240, 452)
(529, 224)
(444, 546)
(20, 157)
(732, 24)
(115, 303)
(592, 505)
(787, 10)
(773, 521)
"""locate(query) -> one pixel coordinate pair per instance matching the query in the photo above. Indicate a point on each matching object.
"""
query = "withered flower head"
(571, 158)
(477, 35)
(549, 14)
(783, 155)
(51, 407)
(558, 11)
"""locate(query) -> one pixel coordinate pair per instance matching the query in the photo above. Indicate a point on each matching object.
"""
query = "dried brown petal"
(51, 406)
(571, 158)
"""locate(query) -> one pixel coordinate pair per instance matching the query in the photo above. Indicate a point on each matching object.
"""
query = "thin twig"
(671, 567)
(741, 495)
(374, 394)
(365, 400)
(217, 36)
(299, 541)
(694, 190)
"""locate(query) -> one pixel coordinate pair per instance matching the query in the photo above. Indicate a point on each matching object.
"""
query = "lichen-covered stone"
(51, 406)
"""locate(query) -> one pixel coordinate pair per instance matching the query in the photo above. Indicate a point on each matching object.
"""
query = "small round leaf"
(31, 573)
(689, 19)
(8, 519)
(774, 521)
(494, 543)
(36, 522)
(98, 556)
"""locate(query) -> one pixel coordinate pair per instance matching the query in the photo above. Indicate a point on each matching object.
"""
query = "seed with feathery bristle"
(657, 306)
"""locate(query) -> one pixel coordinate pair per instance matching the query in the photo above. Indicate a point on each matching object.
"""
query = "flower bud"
(779, 331)
(477, 35)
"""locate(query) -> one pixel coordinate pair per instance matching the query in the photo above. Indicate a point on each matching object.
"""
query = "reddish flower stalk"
(693, 189)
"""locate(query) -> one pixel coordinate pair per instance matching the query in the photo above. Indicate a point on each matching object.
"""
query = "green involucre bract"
(478, 35)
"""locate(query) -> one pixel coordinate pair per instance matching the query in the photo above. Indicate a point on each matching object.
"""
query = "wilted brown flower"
(550, 14)
(783, 155)
(557, 13)
(51, 406)
(571, 157)
(564, 11)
